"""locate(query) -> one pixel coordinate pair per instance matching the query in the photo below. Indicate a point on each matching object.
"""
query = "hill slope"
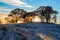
(30, 31)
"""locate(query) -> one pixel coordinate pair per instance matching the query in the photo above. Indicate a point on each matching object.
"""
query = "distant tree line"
(45, 13)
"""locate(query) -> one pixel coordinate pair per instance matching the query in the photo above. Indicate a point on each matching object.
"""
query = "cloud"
(5, 10)
(16, 3)
(2, 8)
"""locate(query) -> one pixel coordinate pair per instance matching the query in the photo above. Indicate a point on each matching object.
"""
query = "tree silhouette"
(55, 16)
(41, 12)
(46, 11)
(28, 15)
(17, 13)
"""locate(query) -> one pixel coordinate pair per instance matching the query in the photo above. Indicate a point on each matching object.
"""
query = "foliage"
(46, 12)
(17, 13)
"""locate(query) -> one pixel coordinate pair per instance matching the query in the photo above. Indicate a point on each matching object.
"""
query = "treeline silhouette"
(46, 13)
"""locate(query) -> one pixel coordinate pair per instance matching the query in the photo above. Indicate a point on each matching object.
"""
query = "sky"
(29, 5)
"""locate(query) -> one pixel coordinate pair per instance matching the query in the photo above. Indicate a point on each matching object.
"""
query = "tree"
(41, 12)
(17, 13)
(55, 16)
(46, 11)
(28, 16)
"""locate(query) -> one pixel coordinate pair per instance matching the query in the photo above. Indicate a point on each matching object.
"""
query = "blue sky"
(7, 5)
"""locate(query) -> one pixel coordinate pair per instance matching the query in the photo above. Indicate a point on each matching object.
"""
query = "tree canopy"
(44, 11)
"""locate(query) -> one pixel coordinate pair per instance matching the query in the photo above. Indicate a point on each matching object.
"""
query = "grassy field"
(30, 31)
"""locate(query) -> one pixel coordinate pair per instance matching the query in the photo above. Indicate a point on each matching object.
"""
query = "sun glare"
(36, 19)
(20, 22)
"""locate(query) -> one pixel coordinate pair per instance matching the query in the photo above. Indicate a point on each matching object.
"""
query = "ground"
(30, 31)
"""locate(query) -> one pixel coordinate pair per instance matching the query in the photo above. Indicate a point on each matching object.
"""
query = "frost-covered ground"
(30, 31)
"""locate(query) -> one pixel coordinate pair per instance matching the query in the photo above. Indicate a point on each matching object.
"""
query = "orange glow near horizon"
(36, 19)
(20, 22)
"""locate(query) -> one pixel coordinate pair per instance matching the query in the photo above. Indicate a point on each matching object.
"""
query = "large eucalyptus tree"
(46, 11)
(17, 13)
